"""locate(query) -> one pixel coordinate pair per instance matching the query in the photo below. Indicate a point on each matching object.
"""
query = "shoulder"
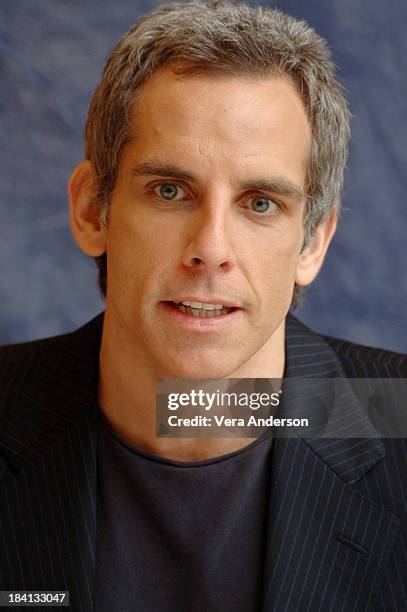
(355, 360)
(26, 354)
(32, 362)
(18, 362)
(360, 361)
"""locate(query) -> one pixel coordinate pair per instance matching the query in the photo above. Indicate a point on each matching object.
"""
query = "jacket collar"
(57, 388)
(327, 546)
(308, 355)
(49, 438)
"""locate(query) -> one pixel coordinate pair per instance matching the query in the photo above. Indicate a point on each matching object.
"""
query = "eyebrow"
(157, 169)
(278, 184)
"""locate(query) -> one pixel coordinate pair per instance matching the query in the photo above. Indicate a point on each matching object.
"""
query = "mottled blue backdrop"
(51, 56)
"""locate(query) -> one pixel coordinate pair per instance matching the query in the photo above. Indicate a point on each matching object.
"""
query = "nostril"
(197, 261)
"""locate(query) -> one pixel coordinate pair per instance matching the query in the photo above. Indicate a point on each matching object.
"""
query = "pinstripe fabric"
(386, 485)
(48, 443)
(337, 518)
(333, 543)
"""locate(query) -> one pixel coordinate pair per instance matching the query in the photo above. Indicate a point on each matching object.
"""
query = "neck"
(127, 395)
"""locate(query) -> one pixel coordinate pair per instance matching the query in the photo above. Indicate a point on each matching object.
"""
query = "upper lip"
(206, 300)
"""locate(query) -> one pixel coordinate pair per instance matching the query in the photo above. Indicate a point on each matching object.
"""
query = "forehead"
(234, 123)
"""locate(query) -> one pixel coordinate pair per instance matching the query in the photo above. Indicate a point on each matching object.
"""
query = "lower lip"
(201, 324)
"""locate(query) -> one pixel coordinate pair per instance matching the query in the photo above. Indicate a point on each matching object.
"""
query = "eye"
(262, 205)
(168, 191)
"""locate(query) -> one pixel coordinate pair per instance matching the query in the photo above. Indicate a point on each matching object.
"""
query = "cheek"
(274, 258)
(272, 277)
(138, 250)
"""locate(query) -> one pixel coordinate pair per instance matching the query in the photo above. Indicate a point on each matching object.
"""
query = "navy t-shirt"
(180, 536)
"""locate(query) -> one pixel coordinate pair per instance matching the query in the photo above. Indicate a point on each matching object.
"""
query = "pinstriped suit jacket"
(337, 529)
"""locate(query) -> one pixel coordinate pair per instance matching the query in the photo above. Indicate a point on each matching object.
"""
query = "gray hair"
(222, 39)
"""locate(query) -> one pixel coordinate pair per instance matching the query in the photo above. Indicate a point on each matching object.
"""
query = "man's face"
(207, 208)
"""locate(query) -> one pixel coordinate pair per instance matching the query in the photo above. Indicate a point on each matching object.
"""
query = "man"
(215, 148)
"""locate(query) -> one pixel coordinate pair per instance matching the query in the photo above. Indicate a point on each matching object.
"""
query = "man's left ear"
(311, 259)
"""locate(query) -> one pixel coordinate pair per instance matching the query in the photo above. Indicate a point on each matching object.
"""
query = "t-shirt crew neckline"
(266, 436)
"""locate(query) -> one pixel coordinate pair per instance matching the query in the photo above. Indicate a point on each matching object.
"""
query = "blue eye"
(168, 191)
(263, 205)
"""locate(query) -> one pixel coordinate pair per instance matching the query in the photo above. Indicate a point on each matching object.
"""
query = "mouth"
(202, 309)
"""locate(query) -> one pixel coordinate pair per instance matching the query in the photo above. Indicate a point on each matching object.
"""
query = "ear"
(311, 259)
(87, 228)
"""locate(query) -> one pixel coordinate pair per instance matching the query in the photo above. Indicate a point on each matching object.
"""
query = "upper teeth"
(203, 305)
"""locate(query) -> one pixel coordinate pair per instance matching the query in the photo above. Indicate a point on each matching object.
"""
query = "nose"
(209, 242)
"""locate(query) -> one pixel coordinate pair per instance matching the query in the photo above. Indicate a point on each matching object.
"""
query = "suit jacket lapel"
(327, 546)
(48, 502)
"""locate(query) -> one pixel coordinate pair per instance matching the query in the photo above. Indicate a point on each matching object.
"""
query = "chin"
(201, 370)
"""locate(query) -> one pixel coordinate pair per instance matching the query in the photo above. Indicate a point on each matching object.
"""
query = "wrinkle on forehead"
(217, 120)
